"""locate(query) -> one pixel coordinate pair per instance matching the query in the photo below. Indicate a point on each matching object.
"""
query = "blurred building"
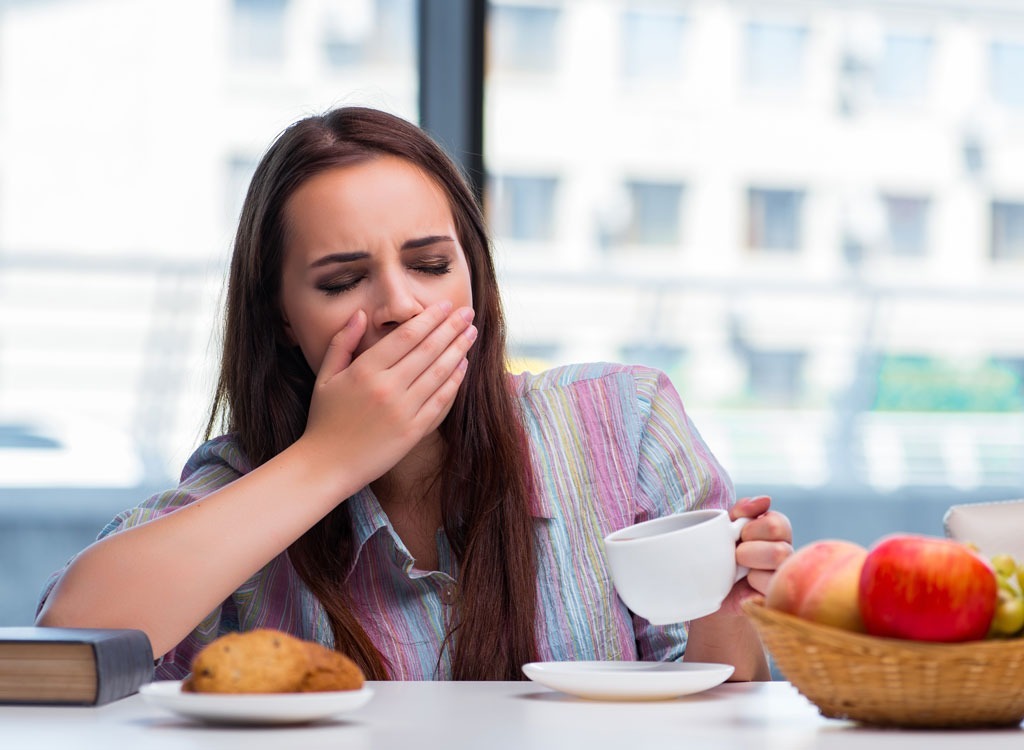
(809, 213)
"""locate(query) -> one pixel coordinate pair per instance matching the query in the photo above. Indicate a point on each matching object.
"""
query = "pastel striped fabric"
(611, 445)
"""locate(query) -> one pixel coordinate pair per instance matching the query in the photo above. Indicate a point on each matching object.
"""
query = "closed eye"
(433, 268)
(334, 287)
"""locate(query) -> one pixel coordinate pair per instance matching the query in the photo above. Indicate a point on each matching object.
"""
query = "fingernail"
(446, 306)
(468, 313)
(463, 365)
(470, 333)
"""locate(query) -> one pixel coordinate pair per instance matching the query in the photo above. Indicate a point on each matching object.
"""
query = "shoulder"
(567, 376)
(607, 381)
(213, 465)
(218, 454)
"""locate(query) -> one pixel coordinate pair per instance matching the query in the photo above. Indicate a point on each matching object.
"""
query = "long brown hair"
(265, 386)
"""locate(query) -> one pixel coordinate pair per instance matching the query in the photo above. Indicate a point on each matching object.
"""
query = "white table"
(416, 715)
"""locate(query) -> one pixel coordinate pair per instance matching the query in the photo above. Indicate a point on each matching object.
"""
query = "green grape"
(1009, 616)
(1008, 585)
(1005, 565)
(1020, 576)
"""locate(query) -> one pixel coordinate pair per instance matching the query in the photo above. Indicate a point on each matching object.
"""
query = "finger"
(765, 556)
(437, 406)
(750, 507)
(343, 344)
(758, 580)
(770, 527)
(394, 347)
(435, 374)
(439, 351)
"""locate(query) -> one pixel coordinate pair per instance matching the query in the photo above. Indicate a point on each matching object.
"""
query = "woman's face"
(377, 236)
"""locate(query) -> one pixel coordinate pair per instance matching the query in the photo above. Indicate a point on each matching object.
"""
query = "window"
(654, 214)
(773, 219)
(774, 57)
(123, 285)
(1006, 73)
(652, 45)
(257, 30)
(369, 31)
(906, 225)
(1007, 230)
(524, 38)
(522, 208)
(903, 70)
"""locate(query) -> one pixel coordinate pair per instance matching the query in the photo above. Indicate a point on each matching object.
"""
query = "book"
(72, 666)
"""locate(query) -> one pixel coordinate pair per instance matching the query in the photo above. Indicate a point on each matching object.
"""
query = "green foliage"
(922, 384)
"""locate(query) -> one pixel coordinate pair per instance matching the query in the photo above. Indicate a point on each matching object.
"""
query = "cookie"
(257, 661)
(330, 670)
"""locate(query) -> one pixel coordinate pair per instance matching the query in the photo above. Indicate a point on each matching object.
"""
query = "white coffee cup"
(678, 567)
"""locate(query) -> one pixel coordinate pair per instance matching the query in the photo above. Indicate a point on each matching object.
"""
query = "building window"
(775, 378)
(773, 219)
(774, 57)
(652, 45)
(1006, 73)
(654, 215)
(1007, 230)
(906, 225)
(523, 208)
(257, 30)
(524, 37)
(903, 70)
(369, 31)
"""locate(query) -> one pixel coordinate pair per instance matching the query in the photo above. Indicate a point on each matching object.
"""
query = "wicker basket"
(888, 682)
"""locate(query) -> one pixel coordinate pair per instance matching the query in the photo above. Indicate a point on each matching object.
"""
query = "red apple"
(926, 589)
(819, 582)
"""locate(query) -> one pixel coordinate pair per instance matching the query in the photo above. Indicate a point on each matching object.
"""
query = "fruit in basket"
(1008, 620)
(819, 582)
(926, 589)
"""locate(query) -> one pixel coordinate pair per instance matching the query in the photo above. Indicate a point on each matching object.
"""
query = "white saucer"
(253, 708)
(628, 680)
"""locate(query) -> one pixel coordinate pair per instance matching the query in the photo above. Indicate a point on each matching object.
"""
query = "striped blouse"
(611, 445)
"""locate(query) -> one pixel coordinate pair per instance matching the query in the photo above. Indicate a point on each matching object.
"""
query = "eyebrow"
(413, 244)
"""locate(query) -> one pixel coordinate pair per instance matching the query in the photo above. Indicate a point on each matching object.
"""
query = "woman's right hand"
(374, 408)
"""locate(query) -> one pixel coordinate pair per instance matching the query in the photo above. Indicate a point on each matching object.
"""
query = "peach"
(820, 582)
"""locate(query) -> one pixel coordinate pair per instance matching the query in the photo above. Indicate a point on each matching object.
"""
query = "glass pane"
(128, 136)
(524, 37)
(774, 219)
(907, 224)
(904, 67)
(774, 56)
(1007, 73)
(1007, 230)
(523, 208)
(824, 375)
(652, 44)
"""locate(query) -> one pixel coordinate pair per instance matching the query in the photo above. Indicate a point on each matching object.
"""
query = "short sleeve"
(212, 466)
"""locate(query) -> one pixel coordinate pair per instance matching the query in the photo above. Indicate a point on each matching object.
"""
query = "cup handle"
(737, 527)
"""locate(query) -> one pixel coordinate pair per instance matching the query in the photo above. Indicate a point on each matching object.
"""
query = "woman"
(383, 484)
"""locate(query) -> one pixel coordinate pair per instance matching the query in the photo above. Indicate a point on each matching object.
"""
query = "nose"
(396, 301)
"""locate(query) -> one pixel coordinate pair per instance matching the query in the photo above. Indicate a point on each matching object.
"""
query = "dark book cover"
(72, 666)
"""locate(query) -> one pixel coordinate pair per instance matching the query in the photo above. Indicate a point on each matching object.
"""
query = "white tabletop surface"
(415, 715)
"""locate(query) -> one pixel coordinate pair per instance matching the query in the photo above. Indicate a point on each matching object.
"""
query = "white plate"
(253, 708)
(628, 680)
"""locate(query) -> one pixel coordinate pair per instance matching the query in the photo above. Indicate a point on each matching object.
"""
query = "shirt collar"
(368, 518)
